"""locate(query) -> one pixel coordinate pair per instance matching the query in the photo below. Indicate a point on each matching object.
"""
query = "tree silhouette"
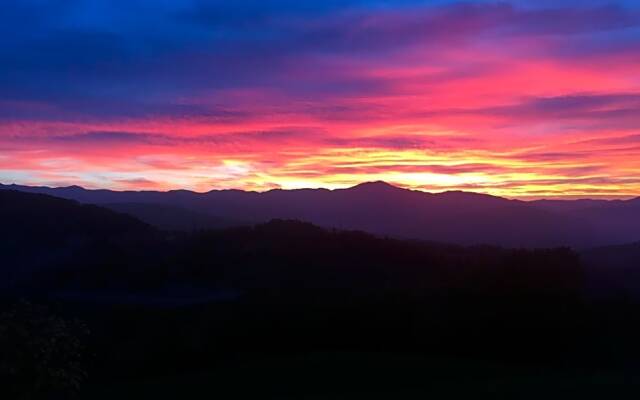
(41, 353)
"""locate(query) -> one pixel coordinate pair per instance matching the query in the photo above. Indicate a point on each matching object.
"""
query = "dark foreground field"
(310, 346)
(374, 376)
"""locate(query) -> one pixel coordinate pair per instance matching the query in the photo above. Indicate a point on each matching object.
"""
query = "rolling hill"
(41, 231)
(380, 208)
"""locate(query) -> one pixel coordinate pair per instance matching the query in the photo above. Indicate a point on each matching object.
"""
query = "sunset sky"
(513, 98)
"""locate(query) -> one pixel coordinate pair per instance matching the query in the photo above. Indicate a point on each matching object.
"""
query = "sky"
(514, 98)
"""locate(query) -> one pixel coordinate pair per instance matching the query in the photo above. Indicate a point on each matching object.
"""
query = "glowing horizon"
(521, 99)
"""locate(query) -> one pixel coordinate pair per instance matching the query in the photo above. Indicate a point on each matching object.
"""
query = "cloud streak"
(515, 98)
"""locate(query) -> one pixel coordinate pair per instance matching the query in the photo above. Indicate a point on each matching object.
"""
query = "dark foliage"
(40, 353)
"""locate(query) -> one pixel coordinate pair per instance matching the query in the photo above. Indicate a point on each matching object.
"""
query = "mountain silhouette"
(42, 231)
(172, 218)
(612, 221)
(32, 215)
(612, 257)
(380, 208)
(613, 270)
(167, 300)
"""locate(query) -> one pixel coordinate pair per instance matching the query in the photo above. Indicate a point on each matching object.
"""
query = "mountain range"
(380, 208)
(51, 244)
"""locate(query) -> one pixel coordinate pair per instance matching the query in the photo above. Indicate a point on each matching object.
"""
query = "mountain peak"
(376, 185)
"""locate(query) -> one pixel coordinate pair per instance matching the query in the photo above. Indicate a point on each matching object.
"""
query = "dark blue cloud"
(607, 109)
(166, 139)
(103, 58)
